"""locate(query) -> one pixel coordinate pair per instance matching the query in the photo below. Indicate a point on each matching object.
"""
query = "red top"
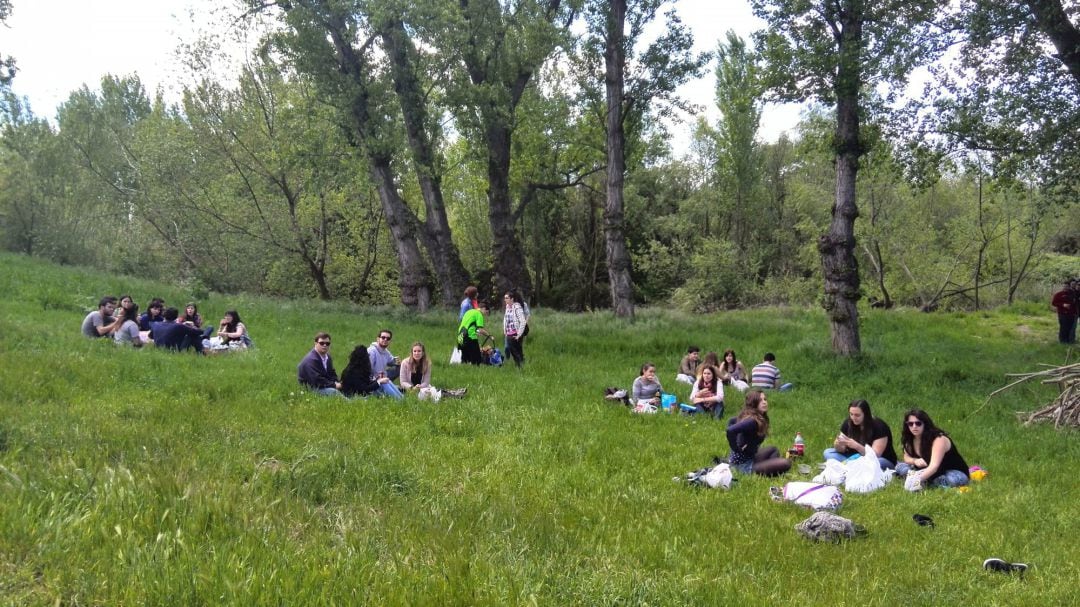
(1064, 302)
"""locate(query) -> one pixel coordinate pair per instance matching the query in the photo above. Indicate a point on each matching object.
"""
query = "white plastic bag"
(834, 473)
(719, 476)
(864, 473)
(913, 482)
(644, 407)
(818, 496)
(455, 356)
(429, 393)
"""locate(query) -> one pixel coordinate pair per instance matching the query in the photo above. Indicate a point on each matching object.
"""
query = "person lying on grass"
(746, 432)
(929, 451)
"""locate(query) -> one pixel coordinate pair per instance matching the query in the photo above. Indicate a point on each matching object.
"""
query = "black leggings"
(470, 352)
(768, 462)
(515, 349)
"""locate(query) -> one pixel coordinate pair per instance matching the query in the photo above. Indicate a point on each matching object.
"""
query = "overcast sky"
(59, 45)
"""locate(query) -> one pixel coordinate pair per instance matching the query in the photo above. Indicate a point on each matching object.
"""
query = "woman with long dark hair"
(356, 379)
(929, 451)
(514, 326)
(708, 393)
(746, 432)
(732, 372)
(860, 429)
(232, 330)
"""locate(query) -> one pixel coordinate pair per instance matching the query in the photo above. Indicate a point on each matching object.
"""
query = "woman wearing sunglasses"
(929, 451)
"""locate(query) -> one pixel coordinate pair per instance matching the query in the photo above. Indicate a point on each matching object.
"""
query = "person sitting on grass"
(766, 374)
(646, 387)
(688, 366)
(192, 318)
(128, 331)
(100, 322)
(316, 369)
(861, 428)
(384, 365)
(930, 452)
(708, 393)
(746, 432)
(175, 336)
(155, 312)
(356, 379)
(732, 372)
(232, 330)
(416, 373)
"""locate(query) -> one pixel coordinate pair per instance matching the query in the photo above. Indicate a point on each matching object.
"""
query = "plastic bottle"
(800, 445)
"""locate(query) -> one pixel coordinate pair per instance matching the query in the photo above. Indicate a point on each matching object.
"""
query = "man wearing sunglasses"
(384, 364)
(316, 370)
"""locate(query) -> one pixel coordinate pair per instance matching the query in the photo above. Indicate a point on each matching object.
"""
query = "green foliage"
(143, 477)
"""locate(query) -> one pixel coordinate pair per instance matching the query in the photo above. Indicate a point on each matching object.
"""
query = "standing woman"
(514, 327)
(929, 451)
(469, 303)
(708, 393)
(733, 372)
(745, 434)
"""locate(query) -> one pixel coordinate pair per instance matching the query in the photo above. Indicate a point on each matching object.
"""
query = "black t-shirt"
(878, 429)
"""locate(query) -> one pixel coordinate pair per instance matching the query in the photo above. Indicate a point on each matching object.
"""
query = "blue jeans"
(717, 410)
(328, 392)
(389, 389)
(833, 454)
(948, 478)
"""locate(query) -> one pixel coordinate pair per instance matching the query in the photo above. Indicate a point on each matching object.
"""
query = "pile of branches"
(1064, 411)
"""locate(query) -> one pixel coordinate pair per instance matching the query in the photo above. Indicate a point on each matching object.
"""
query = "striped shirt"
(765, 375)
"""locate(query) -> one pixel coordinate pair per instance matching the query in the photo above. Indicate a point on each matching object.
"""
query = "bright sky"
(59, 45)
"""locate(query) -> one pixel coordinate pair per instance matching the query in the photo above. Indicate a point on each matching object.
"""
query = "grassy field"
(142, 477)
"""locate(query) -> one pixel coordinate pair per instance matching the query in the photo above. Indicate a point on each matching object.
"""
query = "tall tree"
(835, 51)
(7, 64)
(617, 27)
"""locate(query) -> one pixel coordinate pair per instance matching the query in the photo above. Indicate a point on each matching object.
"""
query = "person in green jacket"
(469, 332)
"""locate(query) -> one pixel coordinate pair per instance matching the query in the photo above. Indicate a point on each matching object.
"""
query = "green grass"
(143, 477)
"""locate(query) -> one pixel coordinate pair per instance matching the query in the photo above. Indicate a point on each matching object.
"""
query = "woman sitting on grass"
(416, 374)
(745, 434)
(356, 379)
(929, 451)
(732, 372)
(708, 393)
(646, 387)
(232, 331)
(128, 321)
(861, 428)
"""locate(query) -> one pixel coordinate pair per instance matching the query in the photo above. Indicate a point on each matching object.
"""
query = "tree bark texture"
(837, 246)
(618, 258)
(1051, 19)
(436, 236)
(510, 270)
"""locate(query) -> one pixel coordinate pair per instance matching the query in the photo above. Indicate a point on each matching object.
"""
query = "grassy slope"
(139, 477)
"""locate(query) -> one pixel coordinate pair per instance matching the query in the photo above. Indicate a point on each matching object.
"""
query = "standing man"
(469, 332)
(316, 370)
(1064, 302)
(100, 322)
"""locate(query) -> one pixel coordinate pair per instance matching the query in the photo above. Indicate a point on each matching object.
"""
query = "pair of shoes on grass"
(1003, 566)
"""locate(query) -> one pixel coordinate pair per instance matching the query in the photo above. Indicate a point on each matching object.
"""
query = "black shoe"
(926, 521)
(996, 564)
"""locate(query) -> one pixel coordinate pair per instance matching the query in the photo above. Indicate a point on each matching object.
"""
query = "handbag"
(455, 356)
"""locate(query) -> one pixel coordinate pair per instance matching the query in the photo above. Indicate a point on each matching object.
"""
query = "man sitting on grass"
(689, 366)
(176, 336)
(316, 370)
(100, 322)
(767, 375)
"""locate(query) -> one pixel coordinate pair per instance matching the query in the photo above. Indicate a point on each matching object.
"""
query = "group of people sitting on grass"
(370, 371)
(162, 326)
(707, 377)
(926, 449)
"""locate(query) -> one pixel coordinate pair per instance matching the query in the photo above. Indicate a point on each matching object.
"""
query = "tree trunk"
(837, 247)
(618, 258)
(510, 271)
(452, 276)
(412, 278)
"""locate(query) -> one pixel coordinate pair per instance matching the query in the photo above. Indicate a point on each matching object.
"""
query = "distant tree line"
(376, 153)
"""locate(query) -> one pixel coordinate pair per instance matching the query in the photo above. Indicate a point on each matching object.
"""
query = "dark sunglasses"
(914, 424)
(386, 337)
(323, 343)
